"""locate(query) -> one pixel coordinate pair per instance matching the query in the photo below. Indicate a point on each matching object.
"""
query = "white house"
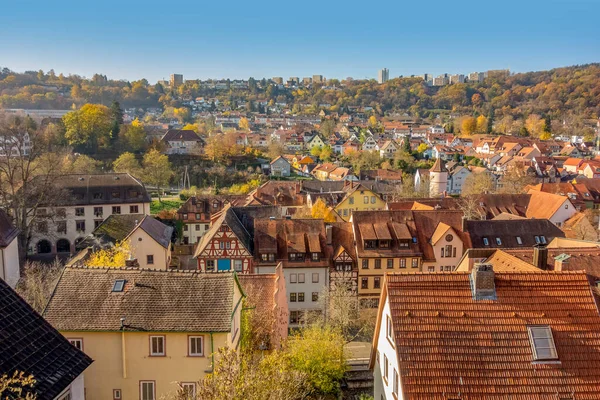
(87, 201)
(280, 167)
(182, 141)
(388, 149)
(15, 146)
(456, 179)
(9, 251)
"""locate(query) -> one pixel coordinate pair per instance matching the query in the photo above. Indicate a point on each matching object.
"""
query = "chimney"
(482, 282)
(540, 256)
(132, 263)
(561, 261)
(464, 224)
(298, 187)
(328, 234)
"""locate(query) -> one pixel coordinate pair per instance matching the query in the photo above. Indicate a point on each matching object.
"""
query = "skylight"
(542, 343)
(519, 241)
(118, 285)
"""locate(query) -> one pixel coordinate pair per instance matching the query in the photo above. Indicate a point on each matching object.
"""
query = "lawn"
(169, 205)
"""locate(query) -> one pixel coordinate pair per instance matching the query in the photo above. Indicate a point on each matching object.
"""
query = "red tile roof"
(452, 346)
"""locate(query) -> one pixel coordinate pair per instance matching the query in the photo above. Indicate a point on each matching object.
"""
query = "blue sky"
(134, 39)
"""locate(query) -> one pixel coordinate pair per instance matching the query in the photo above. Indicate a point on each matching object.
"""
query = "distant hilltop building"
(497, 73)
(278, 80)
(318, 79)
(384, 75)
(306, 81)
(457, 78)
(176, 80)
(476, 77)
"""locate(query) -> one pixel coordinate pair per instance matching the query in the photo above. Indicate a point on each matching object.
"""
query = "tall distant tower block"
(383, 76)
(438, 179)
(176, 80)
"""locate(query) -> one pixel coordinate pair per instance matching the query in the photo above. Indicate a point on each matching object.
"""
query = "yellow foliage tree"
(535, 125)
(320, 210)
(190, 127)
(136, 122)
(482, 122)
(372, 121)
(113, 257)
(468, 126)
(244, 124)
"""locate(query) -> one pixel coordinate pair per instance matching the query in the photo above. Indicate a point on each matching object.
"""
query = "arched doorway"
(44, 247)
(63, 246)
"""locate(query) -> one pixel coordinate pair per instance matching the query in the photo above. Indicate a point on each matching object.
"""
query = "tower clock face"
(449, 238)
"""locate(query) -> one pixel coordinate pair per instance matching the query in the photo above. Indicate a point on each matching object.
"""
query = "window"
(388, 328)
(61, 227)
(315, 296)
(62, 212)
(197, 227)
(147, 390)
(403, 263)
(385, 369)
(294, 317)
(206, 227)
(442, 252)
(415, 263)
(79, 212)
(80, 226)
(189, 390)
(364, 284)
(301, 278)
(97, 223)
(390, 263)
(237, 265)
(228, 245)
(566, 206)
(486, 242)
(210, 265)
(543, 239)
(42, 226)
(150, 259)
(293, 278)
(519, 241)
(98, 211)
(66, 395)
(542, 343)
(185, 228)
(133, 209)
(449, 250)
(376, 282)
(373, 200)
(119, 285)
(395, 382)
(197, 215)
(370, 244)
(430, 269)
(351, 200)
(537, 239)
(292, 297)
(221, 245)
(195, 346)
(157, 346)
(315, 277)
(133, 193)
(116, 194)
(384, 244)
(185, 216)
(366, 199)
(116, 210)
(498, 241)
(377, 263)
(77, 343)
(315, 256)
(301, 297)
(116, 394)
(365, 264)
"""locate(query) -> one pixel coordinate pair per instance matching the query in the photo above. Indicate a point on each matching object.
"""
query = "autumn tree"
(83, 165)
(515, 179)
(535, 125)
(326, 153)
(468, 126)
(482, 124)
(111, 257)
(128, 163)
(90, 127)
(17, 385)
(319, 210)
(244, 124)
(134, 136)
(37, 282)
(157, 170)
(275, 149)
(478, 183)
(327, 128)
(470, 207)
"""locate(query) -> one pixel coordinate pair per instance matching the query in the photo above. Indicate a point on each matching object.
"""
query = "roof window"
(542, 343)
(119, 285)
(486, 242)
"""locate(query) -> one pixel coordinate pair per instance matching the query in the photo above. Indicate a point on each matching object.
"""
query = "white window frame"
(519, 240)
(164, 346)
(293, 278)
(74, 342)
(315, 277)
(117, 394)
(539, 333)
(498, 241)
(191, 385)
(190, 338)
(142, 383)
(238, 265)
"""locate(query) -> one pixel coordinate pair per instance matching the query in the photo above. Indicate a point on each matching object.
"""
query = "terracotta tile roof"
(438, 166)
(440, 231)
(157, 301)
(580, 258)
(7, 231)
(544, 205)
(507, 230)
(342, 237)
(452, 346)
(31, 345)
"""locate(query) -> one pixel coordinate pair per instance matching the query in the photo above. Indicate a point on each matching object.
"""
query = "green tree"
(85, 165)
(327, 128)
(490, 121)
(116, 114)
(326, 153)
(129, 164)
(157, 170)
(135, 137)
(89, 126)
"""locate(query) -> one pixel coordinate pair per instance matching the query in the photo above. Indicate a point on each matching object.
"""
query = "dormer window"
(542, 343)
(384, 244)
(543, 239)
(315, 256)
(537, 240)
(370, 244)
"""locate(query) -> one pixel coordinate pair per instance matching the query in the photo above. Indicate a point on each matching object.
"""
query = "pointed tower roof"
(438, 166)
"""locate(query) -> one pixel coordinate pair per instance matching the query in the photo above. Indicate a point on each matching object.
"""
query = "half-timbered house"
(343, 270)
(226, 246)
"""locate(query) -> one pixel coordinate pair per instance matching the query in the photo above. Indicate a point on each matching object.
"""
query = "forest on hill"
(559, 93)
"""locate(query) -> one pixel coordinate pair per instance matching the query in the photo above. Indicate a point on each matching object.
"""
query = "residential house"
(344, 269)
(572, 164)
(226, 246)
(300, 246)
(148, 332)
(32, 346)
(553, 207)
(322, 171)
(358, 198)
(393, 177)
(286, 194)
(17, 145)
(511, 233)
(370, 144)
(9, 251)
(388, 149)
(280, 167)
(149, 239)
(407, 241)
(183, 141)
(315, 141)
(195, 215)
(457, 175)
(342, 174)
(492, 335)
(84, 201)
(590, 169)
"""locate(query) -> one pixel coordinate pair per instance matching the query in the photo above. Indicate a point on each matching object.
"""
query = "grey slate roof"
(28, 343)
(156, 301)
(118, 227)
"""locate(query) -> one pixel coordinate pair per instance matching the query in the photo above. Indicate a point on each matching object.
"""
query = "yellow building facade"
(360, 199)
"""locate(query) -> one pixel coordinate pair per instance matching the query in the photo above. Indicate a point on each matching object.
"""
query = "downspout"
(212, 352)
(123, 349)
